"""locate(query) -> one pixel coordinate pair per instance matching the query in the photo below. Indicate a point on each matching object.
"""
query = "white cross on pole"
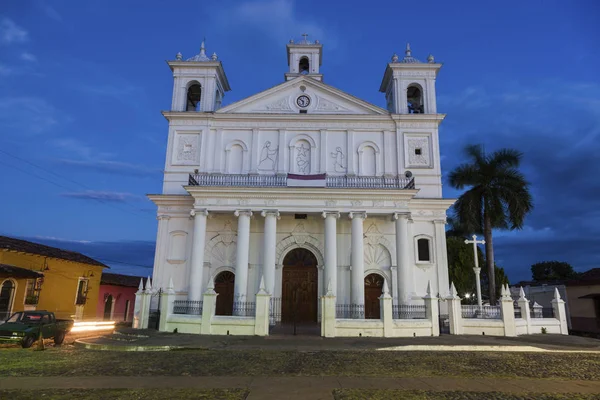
(477, 270)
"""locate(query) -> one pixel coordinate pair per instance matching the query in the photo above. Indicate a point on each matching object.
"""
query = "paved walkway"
(152, 338)
(293, 388)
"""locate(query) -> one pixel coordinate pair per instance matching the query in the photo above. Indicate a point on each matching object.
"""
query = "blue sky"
(82, 140)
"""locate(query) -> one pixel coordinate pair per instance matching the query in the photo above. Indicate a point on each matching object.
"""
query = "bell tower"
(304, 58)
(409, 84)
(199, 83)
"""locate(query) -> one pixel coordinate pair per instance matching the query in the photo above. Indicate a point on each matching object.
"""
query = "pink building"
(117, 297)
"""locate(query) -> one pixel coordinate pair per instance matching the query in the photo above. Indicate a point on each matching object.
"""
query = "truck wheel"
(27, 342)
(59, 337)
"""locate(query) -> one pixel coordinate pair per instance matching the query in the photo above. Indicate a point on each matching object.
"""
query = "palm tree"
(498, 197)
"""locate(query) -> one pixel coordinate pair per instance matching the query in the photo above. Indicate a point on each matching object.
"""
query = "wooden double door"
(373, 288)
(300, 282)
(224, 286)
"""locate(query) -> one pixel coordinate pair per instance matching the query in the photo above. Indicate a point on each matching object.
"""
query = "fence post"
(537, 310)
(137, 308)
(560, 312)
(261, 322)
(508, 312)
(209, 304)
(454, 312)
(387, 317)
(524, 306)
(432, 310)
(328, 313)
(146, 300)
(166, 305)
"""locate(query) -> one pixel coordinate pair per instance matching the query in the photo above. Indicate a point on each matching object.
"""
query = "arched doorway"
(373, 289)
(108, 304)
(6, 298)
(299, 292)
(224, 283)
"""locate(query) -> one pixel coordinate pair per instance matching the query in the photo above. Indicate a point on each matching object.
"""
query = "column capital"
(335, 214)
(274, 213)
(357, 214)
(200, 211)
(160, 217)
(400, 215)
(246, 213)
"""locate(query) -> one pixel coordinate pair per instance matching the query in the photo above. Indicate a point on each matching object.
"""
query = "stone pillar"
(243, 248)
(261, 322)
(560, 312)
(358, 262)
(167, 297)
(454, 312)
(331, 249)
(402, 257)
(441, 254)
(387, 316)
(141, 309)
(508, 312)
(269, 244)
(209, 305)
(328, 313)
(146, 297)
(197, 263)
(432, 310)
(524, 306)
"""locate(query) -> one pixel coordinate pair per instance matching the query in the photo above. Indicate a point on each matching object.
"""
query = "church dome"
(408, 58)
(200, 57)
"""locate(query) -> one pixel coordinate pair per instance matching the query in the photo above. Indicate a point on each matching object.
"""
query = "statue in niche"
(268, 157)
(338, 160)
(303, 159)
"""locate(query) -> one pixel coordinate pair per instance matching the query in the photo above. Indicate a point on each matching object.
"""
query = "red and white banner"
(294, 180)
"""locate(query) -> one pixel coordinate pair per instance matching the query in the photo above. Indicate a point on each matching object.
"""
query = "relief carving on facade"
(187, 148)
(303, 159)
(299, 233)
(268, 157)
(356, 203)
(338, 160)
(330, 203)
(279, 105)
(325, 105)
(418, 151)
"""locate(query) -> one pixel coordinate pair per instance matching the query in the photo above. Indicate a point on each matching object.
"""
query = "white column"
(441, 255)
(269, 243)
(402, 257)
(197, 263)
(331, 250)
(242, 253)
(358, 262)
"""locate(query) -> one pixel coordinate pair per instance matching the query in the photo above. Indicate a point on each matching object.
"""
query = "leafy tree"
(552, 270)
(497, 197)
(460, 265)
(499, 277)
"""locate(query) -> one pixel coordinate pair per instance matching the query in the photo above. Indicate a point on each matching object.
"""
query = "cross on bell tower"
(304, 58)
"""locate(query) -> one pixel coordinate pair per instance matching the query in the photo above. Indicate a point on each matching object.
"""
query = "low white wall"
(224, 325)
(474, 326)
(358, 327)
(411, 328)
(520, 326)
(552, 325)
(184, 323)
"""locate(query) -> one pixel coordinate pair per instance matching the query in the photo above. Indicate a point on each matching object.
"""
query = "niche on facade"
(302, 155)
(177, 247)
(369, 159)
(235, 157)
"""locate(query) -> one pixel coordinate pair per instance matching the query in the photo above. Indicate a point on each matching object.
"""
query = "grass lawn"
(70, 361)
(125, 394)
(379, 394)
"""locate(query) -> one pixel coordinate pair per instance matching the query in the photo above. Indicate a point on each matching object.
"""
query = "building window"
(82, 290)
(194, 95)
(32, 292)
(304, 66)
(418, 151)
(423, 250)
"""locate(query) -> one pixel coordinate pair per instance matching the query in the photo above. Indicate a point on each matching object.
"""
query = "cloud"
(55, 239)
(26, 115)
(73, 146)
(557, 126)
(113, 197)
(12, 33)
(28, 57)
(278, 18)
(111, 167)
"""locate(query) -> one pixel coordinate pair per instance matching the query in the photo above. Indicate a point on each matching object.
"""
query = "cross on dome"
(202, 56)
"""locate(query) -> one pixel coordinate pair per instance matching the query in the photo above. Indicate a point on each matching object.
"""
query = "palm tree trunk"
(489, 257)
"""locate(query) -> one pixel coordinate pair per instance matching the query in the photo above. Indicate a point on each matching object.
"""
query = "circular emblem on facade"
(303, 101)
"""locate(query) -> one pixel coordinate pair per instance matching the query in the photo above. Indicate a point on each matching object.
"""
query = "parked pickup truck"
(25, 326)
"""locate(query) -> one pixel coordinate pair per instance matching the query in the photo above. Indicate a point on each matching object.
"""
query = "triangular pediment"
(287, 98)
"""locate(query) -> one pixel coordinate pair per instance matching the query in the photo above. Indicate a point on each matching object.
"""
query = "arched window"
(7, 291)
(304, 66)
(423, 250)
(414, 98)
(194, 94)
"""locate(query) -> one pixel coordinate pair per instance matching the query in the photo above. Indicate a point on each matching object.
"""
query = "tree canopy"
(552, 271)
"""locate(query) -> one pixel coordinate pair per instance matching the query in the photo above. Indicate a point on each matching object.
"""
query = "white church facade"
(302, 204)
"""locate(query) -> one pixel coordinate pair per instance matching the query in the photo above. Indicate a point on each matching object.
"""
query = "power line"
(62, 177)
